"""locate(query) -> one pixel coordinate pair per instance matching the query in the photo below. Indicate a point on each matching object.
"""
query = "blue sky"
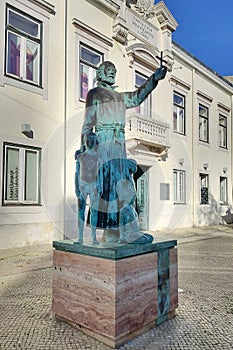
(206, 31)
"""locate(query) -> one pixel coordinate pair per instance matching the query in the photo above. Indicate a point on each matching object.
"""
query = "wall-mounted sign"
(141, 28)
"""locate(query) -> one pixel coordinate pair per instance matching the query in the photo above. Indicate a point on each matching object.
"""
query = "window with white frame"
(203, 123)
(178, 113)
(204, 188)
(222, 131)
(91, 48)
(179, 186)
(144, 108)
(23, 50)
(89, 62)
(223, 190)
(21, 175)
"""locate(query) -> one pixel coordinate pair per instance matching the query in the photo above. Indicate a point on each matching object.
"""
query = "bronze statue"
(105, 115)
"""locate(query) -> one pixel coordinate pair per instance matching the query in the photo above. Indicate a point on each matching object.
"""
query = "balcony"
(151, 133)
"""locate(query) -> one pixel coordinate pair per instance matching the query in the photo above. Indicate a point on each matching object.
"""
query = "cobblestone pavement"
(204, 318)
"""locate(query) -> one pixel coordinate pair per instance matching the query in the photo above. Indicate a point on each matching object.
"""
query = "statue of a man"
(105, 115)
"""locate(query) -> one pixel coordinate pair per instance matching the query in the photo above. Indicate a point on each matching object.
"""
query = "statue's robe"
(105, 115)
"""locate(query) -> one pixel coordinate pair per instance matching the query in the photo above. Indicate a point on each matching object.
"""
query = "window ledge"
(179, 134)
(24, 86)
(203, 143)
(223, 149)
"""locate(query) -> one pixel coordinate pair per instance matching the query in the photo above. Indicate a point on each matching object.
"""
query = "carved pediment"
(164, 17)
(144, 7)
(143, 54)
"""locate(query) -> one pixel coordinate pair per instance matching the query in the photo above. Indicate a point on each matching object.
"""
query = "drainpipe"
(65, 109)
(231, 126)
(193, 145)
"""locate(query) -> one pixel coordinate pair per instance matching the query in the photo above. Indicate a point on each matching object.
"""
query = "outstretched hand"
(160, 73)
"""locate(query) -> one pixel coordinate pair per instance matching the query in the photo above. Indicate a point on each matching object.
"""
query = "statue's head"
(106, 73)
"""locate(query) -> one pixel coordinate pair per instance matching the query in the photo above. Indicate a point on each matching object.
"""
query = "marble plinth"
(115, 292)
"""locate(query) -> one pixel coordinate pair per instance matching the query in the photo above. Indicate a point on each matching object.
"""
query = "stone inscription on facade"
(142, 28)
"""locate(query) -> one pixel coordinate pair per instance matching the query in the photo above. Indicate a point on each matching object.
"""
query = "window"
(21, 174)
(222, 131)
(223, 190)
(204, 184)
(178, 113)
(164, 191)
(89, 61)
(179, 186)
(91, 49)
(145, 107)
(203, 124)
(23, 47)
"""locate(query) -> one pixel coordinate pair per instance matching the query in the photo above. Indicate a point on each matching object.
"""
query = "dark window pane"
(139, 80)
(204, 195)
(90, 56)
(23, 24)
(13, 57)
(178, 100)
(32, 61)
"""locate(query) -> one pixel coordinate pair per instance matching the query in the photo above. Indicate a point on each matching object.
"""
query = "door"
(142, 203)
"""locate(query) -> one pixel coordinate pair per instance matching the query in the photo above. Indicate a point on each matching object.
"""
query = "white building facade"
(180, 136)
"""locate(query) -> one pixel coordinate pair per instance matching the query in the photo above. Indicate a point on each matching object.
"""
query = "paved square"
(204, 319)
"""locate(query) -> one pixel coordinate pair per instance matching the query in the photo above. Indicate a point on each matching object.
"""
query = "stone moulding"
(107, 6)
(93, 33)
(143, 54)
(44, 5)
(164, 17)
(120, 31)
(118, 293)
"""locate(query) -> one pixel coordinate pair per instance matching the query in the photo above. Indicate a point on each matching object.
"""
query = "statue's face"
(109, 74)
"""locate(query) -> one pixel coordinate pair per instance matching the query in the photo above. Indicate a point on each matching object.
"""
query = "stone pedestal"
(115, 293)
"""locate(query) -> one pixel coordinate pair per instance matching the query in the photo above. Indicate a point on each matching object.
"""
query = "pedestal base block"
(114, 295)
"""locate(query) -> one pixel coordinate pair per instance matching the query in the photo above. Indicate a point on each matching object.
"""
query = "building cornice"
(200, 67)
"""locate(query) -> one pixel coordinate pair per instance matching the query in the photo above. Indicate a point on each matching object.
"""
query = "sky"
(206, 31)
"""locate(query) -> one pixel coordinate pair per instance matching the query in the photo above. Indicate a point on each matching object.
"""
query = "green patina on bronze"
(103, 171)
(113, 251)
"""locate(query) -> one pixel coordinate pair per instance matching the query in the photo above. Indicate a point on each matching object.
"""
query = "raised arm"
(135, 98)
